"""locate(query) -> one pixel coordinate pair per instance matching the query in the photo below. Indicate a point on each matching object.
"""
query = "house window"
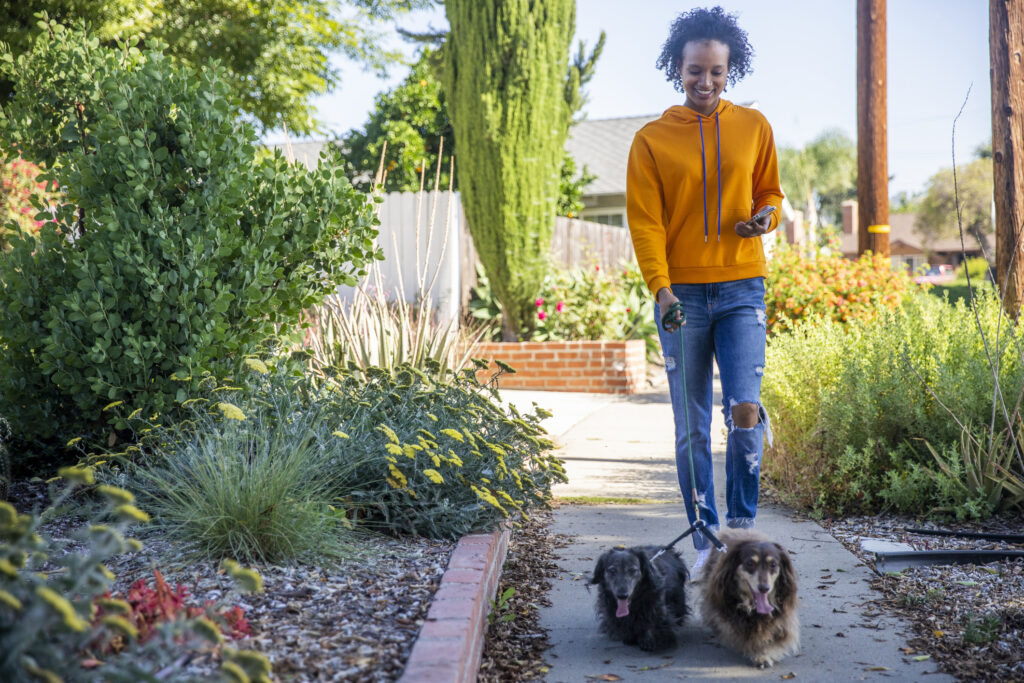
(606, 219)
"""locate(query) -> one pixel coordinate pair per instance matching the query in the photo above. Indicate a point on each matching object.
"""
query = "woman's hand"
(665, 299)
(753, 228)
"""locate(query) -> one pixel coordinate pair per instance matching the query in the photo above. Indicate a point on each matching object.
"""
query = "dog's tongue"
(761, 603)
(623, 609)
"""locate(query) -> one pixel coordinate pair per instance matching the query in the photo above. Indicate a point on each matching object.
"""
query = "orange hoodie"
(690, 179)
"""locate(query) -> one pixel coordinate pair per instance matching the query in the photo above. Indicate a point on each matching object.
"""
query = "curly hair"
(705, 24)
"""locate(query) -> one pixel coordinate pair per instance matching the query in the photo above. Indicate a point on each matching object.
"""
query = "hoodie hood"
(683, 114)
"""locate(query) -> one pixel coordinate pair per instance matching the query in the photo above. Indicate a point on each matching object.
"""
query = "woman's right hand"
(665, 299)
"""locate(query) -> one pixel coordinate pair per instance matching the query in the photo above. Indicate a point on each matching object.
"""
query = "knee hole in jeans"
(745, 415)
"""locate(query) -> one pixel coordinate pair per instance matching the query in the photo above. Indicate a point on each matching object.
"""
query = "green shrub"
(255, 479)
(439, 458)
(977, 267)
(180, 249)
(853, 410)
(830, 285)
(47, 623)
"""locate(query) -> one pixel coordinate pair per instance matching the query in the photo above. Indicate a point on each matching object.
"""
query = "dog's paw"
(656, 641)
(764, 662)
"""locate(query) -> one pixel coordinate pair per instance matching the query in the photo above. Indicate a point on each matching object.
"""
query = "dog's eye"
(611, 570)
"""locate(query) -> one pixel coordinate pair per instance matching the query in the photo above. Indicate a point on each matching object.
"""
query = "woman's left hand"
(753, 228)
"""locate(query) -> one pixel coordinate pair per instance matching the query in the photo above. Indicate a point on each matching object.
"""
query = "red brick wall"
(609, 367)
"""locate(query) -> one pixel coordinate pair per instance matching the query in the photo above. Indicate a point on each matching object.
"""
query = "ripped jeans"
(725, 321)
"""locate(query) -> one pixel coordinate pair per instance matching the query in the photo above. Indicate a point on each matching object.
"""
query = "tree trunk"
(1006, 53)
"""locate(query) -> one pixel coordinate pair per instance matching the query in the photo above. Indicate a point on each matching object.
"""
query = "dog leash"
(677, 317)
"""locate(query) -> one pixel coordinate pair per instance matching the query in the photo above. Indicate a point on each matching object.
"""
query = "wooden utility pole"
(872, 140)
(1006, 54)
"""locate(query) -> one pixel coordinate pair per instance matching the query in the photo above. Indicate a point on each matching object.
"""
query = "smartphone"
(761, 214)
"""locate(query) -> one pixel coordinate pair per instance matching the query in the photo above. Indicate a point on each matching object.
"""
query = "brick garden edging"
(608, 367)
(450, 643)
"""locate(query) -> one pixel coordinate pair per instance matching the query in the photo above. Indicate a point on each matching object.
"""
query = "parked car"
(942, 274)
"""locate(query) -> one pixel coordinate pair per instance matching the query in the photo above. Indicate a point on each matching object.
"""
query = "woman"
(701, 166)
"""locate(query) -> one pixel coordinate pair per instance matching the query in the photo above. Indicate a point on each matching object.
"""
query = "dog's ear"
(598, 576)
(722, 581)
(648, 572)
(785, 585)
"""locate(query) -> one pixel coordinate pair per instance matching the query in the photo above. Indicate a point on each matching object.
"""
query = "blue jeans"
(725, 321)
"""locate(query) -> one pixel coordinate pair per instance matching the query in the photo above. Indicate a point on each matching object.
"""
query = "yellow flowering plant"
(440, 458)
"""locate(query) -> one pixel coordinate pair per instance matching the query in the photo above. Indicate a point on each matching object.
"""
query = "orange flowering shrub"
(17, 184)
(831, 286)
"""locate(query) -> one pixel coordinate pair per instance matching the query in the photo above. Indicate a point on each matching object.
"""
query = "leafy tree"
(904, 202)
(571, 186)
(274, 52)
(818, 177)
(413, 118)
(506, 83)
(937, 213)
(178, 248)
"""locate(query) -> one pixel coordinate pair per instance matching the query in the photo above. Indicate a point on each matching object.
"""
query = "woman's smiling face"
(705, 69)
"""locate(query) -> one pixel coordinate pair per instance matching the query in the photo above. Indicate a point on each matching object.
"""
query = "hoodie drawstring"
(703, 174)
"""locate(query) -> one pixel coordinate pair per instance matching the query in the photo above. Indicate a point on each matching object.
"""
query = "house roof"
(602, 145)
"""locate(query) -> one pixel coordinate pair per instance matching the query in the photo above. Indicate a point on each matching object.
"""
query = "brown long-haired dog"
(748, 597)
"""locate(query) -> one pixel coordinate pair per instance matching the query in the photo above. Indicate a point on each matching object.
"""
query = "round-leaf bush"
(180, 248)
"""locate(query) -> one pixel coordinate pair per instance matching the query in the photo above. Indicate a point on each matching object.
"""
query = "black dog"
(641, 602)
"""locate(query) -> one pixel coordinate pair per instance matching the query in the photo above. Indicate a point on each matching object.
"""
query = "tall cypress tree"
(506, 66)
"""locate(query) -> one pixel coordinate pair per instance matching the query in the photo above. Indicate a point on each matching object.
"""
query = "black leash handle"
(674, 317)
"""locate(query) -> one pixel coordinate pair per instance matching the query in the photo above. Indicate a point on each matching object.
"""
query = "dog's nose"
(622, 596)
(763, 588)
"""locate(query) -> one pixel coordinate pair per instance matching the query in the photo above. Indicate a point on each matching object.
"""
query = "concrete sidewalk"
(623, 447)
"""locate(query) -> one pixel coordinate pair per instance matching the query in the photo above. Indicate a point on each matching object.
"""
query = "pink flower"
(560, 306)
(541, 314)
(539, 302)
(629, 310)
(597, 267)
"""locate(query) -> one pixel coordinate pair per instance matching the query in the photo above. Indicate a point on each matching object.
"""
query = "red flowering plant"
(580, 304)
(144, 609)
(830, 285)
(18, 183)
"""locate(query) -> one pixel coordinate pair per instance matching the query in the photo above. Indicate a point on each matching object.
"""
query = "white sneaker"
(702, 557)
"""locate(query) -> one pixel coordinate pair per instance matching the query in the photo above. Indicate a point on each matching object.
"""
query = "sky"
(803, 80)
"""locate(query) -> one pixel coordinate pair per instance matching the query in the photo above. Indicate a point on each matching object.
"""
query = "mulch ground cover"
(514, 648)
(360, 622)
(354, 622)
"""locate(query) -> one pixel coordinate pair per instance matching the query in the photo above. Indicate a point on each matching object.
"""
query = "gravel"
(969, 618)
